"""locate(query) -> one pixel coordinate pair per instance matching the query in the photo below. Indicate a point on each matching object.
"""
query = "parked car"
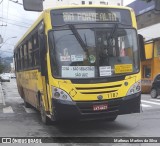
(155, 89)
(5, 78)
(13, 75)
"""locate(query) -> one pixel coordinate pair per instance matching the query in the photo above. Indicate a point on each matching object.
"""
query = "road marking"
(29, 110)
(155, 100)
(8, 110)
(145, 105)
(150, 102)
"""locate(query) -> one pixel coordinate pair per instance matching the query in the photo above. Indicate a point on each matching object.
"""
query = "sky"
(14, 22)
(126, 2)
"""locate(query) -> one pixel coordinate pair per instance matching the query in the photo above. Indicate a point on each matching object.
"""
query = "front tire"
(153, 93)
(26, 104)
(44, 117)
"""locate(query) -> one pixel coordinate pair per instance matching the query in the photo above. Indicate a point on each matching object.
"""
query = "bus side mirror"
(33, 5)
(141, 47)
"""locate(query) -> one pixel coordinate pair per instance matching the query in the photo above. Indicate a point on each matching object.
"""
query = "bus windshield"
(93, 52)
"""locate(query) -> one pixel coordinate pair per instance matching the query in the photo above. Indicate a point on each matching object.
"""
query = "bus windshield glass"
(93, 52)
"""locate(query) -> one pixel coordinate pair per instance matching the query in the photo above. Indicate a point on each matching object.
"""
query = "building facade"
(148, 19)
(55, 3)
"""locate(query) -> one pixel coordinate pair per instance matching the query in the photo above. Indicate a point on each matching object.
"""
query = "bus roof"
(65, 7)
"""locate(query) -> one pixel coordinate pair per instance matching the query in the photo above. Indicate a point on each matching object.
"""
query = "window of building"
(90, 2)
(102, 3)
(83, 2)
(147, 71)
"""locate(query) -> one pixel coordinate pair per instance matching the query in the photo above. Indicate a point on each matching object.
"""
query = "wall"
(52, 3)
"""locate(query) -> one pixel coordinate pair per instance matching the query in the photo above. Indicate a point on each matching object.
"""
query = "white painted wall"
(54, 3)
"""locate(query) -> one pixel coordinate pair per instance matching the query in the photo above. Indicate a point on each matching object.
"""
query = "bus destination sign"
(89, 16)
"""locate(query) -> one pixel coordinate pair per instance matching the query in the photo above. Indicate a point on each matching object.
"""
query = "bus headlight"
(135, 88)
(60, 94)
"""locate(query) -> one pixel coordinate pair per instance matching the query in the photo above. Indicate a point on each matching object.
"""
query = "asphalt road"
(16, 120)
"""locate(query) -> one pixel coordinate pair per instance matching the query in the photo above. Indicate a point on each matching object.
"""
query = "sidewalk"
(1, 95)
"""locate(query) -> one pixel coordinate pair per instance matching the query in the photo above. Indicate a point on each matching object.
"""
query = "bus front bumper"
(83, 110)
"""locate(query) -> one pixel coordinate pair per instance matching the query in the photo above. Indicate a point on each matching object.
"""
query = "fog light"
(56, 95)
(64, 96)
(132, 91)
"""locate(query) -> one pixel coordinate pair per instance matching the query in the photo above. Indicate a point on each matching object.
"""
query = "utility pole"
(6, 40)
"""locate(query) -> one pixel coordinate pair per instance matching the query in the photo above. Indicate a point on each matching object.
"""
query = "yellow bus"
(150, 65)
(81, 63)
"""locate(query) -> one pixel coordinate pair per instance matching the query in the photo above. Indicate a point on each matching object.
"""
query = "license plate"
(100, 107)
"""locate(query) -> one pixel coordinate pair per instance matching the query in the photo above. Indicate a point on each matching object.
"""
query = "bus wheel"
(44, 117)
(154, 93)
(26, 104)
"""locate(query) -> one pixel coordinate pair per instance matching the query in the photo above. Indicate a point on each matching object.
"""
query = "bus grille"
(98, 90)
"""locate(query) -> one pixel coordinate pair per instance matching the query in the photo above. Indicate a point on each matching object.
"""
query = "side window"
(26, 55)
(35, 49)
(22, 57)
(15, 60)
(30, 52)
(19, 59)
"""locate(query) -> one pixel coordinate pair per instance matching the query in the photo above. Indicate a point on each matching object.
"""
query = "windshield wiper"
(79, 39)
(110, 38)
